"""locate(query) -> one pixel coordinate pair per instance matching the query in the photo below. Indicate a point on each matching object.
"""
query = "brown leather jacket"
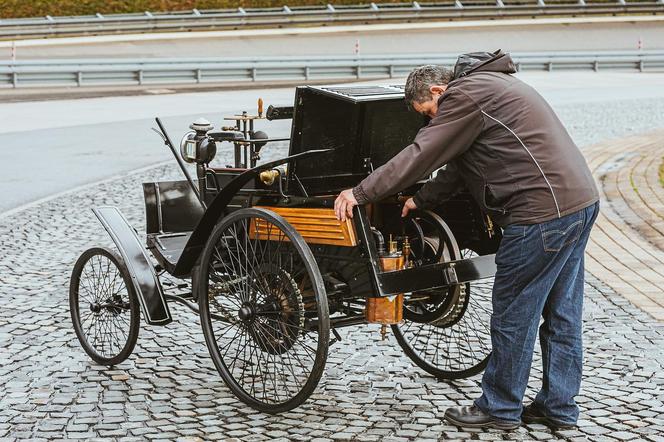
(500, 138)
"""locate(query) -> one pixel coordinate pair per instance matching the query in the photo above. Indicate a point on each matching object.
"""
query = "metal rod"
(191, 306)
(148, 21)
(347, 321)
(169, 143)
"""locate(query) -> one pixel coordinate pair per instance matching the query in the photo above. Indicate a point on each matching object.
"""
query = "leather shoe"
(473, 417)
(532, 414)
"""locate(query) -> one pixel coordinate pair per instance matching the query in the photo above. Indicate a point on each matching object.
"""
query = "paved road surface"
(49, 147)
(546, 34)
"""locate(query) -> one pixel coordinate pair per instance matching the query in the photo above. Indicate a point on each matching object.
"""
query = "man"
(498, 137)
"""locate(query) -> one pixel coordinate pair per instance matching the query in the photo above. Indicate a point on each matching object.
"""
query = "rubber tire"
(135, 316)
(321, 301)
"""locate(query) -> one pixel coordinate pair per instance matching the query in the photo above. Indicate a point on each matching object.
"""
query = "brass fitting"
(392, 246)
(268, 176)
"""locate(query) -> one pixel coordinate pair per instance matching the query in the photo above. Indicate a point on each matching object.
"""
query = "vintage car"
(257, 251)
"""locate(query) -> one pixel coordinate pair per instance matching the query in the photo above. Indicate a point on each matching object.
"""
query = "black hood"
(497, 61)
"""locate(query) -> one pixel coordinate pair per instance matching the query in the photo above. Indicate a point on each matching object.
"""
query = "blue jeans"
(539, 275)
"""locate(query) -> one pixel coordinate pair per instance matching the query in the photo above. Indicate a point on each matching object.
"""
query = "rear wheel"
(104, 307)
(263, 309)
(446, 331)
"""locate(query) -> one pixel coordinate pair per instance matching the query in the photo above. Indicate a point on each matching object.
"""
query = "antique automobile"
(257, 252)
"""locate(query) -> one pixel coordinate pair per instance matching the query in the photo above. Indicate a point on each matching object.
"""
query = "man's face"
(429, 108)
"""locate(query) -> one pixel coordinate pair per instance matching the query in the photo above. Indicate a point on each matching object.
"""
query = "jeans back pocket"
(561, 232)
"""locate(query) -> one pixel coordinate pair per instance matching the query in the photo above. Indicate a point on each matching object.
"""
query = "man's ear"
(438, 88)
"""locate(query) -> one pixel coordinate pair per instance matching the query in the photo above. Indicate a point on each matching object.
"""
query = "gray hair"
(421, 79)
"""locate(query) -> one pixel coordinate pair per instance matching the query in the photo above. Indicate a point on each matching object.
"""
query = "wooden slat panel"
(317, 226)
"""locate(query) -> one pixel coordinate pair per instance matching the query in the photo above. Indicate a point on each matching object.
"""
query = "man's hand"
(407, 207)
(343, 205)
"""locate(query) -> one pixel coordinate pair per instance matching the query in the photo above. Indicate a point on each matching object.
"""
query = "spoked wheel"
(446, 331)
(104, 307)
(264, 310)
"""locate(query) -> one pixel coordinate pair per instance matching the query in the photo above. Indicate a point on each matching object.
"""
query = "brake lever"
(158, 132)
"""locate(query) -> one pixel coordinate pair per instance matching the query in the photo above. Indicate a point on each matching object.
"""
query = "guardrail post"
(358, 71)
(391, 71)
(641, 65)
(549, 66)
(596, 66)
(253, 74)
(140, 76)
(14, 79)
(198, 75)
(79, 78)
(306, 72)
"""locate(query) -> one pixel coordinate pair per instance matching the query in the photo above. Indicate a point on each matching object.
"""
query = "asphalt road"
(54, 146)
(512, 35)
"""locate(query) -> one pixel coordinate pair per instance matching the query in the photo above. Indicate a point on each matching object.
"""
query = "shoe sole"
(548, 422)
(490, 424)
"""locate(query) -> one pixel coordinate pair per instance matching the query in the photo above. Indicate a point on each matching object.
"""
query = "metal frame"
(188, 71)
(217, 209)
(310, 15)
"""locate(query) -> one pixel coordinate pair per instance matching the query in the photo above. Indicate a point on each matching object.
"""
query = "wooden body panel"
(317, 226)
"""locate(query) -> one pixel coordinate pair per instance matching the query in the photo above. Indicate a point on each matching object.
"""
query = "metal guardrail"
(316, 15)
(187, 71)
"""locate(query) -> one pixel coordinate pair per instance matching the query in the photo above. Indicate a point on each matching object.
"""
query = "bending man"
(497, 136)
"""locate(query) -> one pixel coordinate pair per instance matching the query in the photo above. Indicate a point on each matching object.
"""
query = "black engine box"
(365, 125)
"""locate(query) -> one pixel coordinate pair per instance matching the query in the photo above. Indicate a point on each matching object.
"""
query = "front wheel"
(263, 309)
(104, 307)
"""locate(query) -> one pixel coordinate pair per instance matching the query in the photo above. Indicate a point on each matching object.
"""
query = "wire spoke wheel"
(446, 332)
(104, 307)
(264, 310)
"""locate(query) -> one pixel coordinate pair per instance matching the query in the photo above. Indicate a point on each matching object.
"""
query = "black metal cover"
(365, 125)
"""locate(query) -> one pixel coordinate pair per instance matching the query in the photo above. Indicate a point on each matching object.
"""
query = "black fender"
(194, 247)
(141, 269)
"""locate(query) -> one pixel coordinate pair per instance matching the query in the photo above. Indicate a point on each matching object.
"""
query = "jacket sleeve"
(443, 186)
(449, 134)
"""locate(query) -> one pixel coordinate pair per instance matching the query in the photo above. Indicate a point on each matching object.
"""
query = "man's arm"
(448, 135)
(443, 186)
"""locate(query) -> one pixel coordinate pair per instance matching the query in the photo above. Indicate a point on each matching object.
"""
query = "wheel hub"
(246, 313)
(95, 307)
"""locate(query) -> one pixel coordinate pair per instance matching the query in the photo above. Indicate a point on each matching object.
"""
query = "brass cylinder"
(388, 309)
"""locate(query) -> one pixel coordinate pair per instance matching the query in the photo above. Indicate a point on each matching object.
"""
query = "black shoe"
(532, 414)
(473, 417)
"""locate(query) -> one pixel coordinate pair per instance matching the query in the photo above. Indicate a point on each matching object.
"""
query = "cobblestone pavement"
(169, 389)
